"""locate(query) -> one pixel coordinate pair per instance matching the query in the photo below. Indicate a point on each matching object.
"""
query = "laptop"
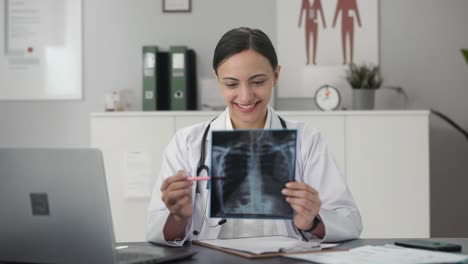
(54, 208)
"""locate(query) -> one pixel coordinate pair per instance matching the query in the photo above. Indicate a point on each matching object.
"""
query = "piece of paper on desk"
(137, 174)
(388, 254)
(268, 244)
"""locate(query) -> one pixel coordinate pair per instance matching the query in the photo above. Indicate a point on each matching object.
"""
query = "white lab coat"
(314, 165)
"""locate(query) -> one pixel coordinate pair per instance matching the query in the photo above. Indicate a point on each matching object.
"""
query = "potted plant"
(364, 79)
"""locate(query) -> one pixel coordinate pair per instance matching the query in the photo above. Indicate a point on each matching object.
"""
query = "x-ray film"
(249, 168)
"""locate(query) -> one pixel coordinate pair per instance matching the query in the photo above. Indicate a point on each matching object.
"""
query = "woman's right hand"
(177, 196)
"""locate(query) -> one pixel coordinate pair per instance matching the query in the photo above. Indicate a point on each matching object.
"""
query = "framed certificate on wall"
(177, 6)
(41, 50)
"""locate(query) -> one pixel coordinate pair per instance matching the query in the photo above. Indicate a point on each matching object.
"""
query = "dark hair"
(240, 39)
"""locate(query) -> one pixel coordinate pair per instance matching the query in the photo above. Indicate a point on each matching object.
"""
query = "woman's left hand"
(305, 201)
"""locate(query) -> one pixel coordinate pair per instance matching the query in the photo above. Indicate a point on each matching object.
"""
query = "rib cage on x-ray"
(249, 170)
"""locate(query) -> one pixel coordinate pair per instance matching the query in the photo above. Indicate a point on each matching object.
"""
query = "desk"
(206, 255)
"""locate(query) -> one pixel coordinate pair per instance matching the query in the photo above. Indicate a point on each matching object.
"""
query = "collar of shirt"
(267, 122)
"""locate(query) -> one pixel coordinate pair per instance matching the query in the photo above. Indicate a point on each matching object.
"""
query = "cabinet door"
(332, 129)
(388, 173)
(132, 148)
(188, 120)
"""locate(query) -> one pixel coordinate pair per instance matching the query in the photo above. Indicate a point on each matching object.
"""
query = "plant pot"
(363, 99)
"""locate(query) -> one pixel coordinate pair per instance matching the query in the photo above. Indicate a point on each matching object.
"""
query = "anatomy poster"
(317, 39)
(249, 168)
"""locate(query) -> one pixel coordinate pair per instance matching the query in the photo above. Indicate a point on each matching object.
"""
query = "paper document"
(269, 244)
(137, 174)
(388, 254)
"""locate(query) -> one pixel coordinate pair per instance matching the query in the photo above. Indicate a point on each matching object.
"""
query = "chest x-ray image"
(249, 168)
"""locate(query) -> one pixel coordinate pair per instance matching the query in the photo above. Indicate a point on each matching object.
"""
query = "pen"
(121, 247)
(200, 178)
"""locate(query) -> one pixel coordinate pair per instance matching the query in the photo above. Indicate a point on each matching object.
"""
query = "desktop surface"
(207, 255)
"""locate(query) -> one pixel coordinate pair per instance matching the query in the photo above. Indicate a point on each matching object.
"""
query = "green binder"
(183, 88)
(150, 78)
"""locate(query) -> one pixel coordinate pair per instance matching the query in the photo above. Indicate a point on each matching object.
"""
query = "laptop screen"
(55, 209)
(54, 206)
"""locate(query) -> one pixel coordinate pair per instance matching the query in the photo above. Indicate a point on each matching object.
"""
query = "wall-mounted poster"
(40, 49)
(317, 39)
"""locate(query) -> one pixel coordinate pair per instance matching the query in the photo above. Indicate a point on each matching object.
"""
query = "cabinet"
(384, 156)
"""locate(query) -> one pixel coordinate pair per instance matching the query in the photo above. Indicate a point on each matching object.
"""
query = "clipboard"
(250, 255)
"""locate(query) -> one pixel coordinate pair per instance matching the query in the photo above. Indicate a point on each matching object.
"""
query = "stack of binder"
(169, 79)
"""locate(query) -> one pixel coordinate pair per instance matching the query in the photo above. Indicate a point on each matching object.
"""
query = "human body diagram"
(349, 11)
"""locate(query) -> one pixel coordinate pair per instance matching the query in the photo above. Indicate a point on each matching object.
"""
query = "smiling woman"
(246, 81)
(246, 68)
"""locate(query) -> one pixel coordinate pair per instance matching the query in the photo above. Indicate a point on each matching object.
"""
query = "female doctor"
(246, 68)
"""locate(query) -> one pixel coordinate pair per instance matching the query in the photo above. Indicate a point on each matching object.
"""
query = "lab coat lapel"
(275, 121)
(218, 124)
(211, 232)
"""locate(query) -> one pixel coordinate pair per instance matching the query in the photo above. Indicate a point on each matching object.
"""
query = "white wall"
(420, 50)
(114, 31)
(420, 42)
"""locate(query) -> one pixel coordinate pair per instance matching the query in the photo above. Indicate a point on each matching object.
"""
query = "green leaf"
(364, 76)
(465, 54)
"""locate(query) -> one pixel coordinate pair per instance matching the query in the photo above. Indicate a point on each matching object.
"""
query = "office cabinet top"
(287, 113)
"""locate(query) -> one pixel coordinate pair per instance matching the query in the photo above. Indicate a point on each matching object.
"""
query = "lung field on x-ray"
(249, 168)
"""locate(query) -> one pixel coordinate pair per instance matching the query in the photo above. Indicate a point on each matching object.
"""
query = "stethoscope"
(201, 166)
